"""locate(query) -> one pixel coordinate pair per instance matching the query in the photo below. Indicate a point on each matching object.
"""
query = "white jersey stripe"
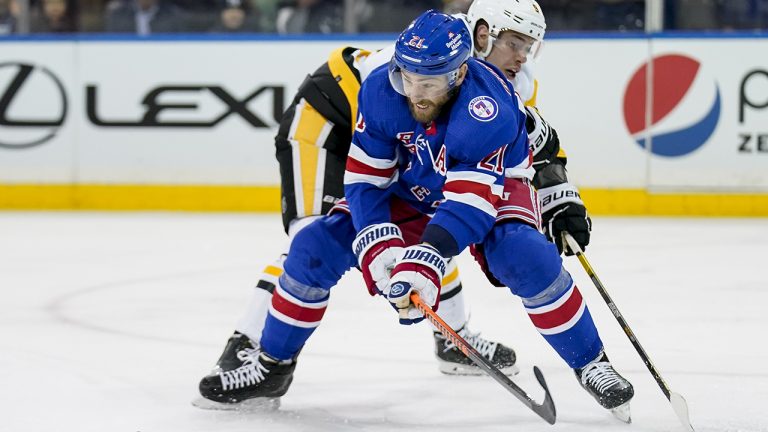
(525, 219)
(380, 182)
(517, 209)
(359, 154)
(526, 172)
(472, 176)
(472, 200)
(317, 205)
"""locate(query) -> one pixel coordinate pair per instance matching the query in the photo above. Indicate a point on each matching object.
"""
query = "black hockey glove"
(563, 210)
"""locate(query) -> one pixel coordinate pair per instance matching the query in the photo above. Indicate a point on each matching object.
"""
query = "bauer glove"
(563, 210)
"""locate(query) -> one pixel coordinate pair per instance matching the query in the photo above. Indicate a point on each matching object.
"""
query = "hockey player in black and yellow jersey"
(498, 31)
(312, 145)
(495, 38)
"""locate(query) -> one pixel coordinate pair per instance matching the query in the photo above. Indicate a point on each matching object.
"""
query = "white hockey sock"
(451, 308)
(252, 322)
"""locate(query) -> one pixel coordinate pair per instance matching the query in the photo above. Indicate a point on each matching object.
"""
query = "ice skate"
(256, 375)
(228, 359)
(453, 362)
(610, 389)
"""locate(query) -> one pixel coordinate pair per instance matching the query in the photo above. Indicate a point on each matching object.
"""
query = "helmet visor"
(417, 86)
(514, 43)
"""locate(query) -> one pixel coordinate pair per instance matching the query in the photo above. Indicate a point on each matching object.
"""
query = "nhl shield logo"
(483, 108)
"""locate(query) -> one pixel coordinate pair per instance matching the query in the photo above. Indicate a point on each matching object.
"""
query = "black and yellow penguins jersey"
(314, 136)
(549, 159)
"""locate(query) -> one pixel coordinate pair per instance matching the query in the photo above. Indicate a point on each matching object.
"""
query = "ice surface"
(108, 321)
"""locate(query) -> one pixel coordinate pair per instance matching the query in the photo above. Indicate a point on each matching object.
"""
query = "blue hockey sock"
(561, 315)
(293, 316)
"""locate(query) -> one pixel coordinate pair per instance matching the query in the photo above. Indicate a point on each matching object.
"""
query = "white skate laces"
(251, 372)
(600, 375)
(485, 347)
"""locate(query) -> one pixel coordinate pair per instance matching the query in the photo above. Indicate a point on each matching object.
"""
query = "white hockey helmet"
(522, 16)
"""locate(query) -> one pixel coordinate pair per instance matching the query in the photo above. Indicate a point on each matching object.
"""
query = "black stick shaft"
(623, 323)
(679, 405)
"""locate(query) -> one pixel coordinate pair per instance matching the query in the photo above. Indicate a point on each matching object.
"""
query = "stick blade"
(680, 406)
(547, 409)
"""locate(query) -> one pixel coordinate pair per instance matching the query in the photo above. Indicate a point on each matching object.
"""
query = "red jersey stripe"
(462, 186)
(355, 166)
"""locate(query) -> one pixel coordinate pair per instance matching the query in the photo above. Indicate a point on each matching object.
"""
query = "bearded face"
(427, 110)
(427, 95)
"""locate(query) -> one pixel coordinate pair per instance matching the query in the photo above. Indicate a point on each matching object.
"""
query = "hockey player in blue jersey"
(507, 34)
(440, 151)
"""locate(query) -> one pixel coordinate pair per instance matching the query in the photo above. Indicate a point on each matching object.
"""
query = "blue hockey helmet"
(431, 49)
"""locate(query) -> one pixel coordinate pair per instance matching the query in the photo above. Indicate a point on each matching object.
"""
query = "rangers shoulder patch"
(483, 108)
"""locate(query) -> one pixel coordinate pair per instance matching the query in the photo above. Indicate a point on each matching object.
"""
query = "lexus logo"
(33, 105)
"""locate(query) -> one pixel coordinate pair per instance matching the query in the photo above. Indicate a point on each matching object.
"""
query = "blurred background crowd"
(144, 17)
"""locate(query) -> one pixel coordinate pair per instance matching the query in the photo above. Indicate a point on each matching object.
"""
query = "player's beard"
(433, 107)
(430, 113)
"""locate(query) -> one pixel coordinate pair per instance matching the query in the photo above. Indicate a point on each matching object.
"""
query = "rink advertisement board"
(650, 125)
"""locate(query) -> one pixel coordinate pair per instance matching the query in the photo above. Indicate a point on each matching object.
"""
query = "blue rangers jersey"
(452, 168)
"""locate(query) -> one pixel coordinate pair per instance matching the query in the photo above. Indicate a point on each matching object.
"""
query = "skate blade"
(622, 413)
(449, 368)
(248, 405)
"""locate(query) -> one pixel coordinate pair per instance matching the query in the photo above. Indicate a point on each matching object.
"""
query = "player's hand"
(563, 210)
(377, 247)
(419, 268)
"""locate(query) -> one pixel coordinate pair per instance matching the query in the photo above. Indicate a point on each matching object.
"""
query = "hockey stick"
(545, 410)
(678, 402)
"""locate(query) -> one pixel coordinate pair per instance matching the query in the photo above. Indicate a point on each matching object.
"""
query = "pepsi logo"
(685, 105)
